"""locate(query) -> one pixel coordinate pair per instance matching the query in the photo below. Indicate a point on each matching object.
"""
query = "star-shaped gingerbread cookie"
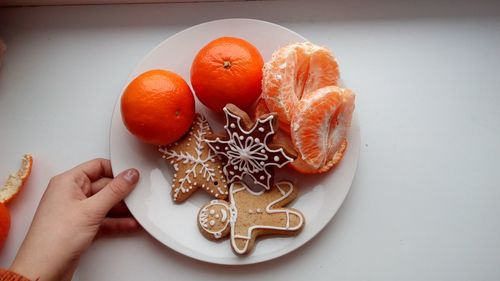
(195, 165)
(249, 148)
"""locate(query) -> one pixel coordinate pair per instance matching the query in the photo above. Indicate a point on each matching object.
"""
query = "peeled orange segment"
(338, 135)
(261, 109)
(16, 180)
(311, 125)
(320, 125)
(323, 70)
(301, 166)
(293, 71)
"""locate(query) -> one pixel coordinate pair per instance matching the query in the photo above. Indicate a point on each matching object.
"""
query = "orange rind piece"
(16, 180)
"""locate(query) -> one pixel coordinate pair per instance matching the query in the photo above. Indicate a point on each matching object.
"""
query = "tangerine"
(227, 70)
(294, 70)
(158, 107)
(4, 224)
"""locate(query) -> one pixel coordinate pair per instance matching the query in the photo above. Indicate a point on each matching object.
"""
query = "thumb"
(114, 192)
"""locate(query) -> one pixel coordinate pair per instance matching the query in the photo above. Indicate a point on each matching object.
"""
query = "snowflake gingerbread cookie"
(248, 215)
(195, 165)
(249, 148)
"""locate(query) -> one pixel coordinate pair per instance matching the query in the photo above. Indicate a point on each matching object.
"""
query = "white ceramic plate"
(175, 225)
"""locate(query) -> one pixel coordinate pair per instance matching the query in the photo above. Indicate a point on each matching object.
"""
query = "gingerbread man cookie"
(248, 215)
(195, 165)
(248, 148)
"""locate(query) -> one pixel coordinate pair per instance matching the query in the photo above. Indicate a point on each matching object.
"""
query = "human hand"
(76, 206)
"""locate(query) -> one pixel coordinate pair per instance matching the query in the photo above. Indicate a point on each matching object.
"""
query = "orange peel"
(16, 180)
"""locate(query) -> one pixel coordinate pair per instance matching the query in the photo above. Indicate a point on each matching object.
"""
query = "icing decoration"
(272, 219)
(248, 147)
(195, 165)
(210, 224)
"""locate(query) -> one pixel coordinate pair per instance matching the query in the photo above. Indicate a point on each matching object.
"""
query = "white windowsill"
(10, 3)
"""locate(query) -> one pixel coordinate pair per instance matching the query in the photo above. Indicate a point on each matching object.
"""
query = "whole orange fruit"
(227, 70)
(158, 107)
(4, 224)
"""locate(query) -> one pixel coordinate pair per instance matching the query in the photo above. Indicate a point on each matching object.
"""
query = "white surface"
(174, 224)
(424, 203)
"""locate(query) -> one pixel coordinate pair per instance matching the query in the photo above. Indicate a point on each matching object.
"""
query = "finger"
(114, 192)
(95, 169)
(99, 184)
(120, 210)
(113, 226)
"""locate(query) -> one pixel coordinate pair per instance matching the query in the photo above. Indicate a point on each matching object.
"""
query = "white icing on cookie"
(268, 210)
(199, 163)
(206, 217)
(247, 154)
(224, 215)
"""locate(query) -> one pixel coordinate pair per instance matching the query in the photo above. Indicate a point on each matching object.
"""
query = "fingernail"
(130, 175)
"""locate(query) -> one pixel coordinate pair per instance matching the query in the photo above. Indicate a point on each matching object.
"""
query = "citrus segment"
(16, 180)
(338, 135)
(323, 70)
(301, 166)
(261, 109)
(293, 71)
(319, 125)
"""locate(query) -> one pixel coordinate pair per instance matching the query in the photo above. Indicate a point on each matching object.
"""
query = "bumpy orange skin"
(4, 224)
(158, 107)
(227, 70)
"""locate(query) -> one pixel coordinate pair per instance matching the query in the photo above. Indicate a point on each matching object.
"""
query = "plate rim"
(180, 249)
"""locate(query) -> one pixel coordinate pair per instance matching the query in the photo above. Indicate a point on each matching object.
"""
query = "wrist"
(9, 275)
(34, 266)
(46, 265)
(23, 268)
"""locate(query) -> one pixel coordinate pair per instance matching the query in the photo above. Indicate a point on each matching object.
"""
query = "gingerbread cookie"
(248, 215)
(248, 148)
(195, 165)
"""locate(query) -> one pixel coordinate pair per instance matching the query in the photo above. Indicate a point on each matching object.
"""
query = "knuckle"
(81, 179)
(100, 159)
(117, 188)
(54, 181)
